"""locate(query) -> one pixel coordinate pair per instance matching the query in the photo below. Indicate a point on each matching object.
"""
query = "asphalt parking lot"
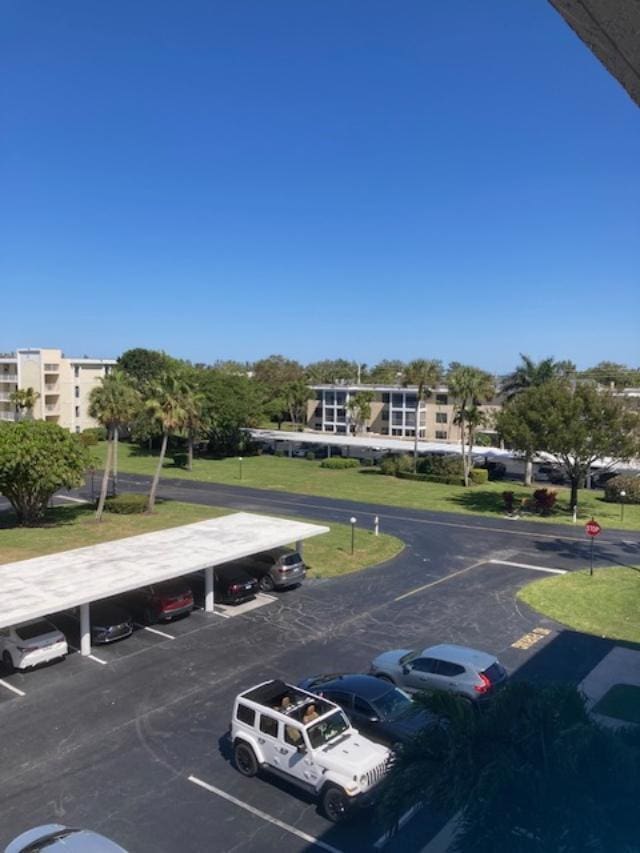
(133, 744)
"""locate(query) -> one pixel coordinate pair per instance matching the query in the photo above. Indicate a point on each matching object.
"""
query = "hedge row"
(339, 462)
(127, 504)
(627, 483)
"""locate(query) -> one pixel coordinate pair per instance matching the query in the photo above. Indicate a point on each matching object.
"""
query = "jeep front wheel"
(334, 803)
(245, 759)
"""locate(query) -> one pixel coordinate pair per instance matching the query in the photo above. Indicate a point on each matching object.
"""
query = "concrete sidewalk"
(620, 666)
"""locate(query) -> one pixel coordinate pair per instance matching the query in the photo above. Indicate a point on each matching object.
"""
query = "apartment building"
(394, 411)
(64, 385)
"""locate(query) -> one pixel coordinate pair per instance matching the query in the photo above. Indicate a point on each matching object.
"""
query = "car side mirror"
(406, 669)
(373, 719)
(301, 748)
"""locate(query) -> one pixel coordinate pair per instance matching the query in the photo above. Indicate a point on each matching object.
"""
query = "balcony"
(5, 397)
(51, 408)
(7, 416)
(51, 389)
(51, 368)
(9, 377)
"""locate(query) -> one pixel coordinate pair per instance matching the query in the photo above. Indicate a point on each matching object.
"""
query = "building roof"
(49, 584)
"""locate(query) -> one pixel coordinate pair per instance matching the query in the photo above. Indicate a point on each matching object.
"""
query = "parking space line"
(528, 566)
(386, 837)
(155, 631)
(440, 580)
(90, 657)
(274, 820)
(12, 688)
(72, 499)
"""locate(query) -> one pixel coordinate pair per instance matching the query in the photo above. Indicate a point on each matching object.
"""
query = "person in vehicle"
(310, 714)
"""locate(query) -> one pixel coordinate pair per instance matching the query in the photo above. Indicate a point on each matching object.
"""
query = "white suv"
(308, 741)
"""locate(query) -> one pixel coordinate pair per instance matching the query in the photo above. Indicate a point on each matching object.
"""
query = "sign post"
(593, 529)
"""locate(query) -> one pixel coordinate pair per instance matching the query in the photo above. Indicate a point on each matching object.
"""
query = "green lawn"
(74, 527)
(366, 484)
(606, 604)
(622, 702)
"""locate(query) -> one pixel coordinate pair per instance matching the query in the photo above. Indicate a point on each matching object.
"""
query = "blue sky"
(320, 178)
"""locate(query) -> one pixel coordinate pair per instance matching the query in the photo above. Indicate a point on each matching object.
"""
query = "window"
(441, 417)
(268, 725)
(78, 430)
(385, 398)
(341, 398)
(424, 665)
(396, 418)
(337, 696)
(362, 707)
(396, 431)
(341, 414)
(246, 715)
(77, 392)
(410, 419)
(329, 397)
(76, 371)
(385, 414)
(77, 411)
(293, 735)
(449, 669)
(397, 400)
(441, 434)
(442, 399)
(411, 401)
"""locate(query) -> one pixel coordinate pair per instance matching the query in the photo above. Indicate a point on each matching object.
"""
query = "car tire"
(266, 583)
(7, 662)
(245, 759)
(334, 803)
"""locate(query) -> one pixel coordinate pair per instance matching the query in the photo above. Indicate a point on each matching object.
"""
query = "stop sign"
(592, 527)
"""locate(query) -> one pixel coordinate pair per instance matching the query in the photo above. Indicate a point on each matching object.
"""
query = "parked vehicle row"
(39, 641)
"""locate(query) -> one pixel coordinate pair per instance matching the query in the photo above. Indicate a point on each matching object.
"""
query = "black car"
(109, 622)
(375, 707)
(232, 584)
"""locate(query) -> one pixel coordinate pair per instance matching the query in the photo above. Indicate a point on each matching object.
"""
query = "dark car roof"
(108, 610)
(365, 686)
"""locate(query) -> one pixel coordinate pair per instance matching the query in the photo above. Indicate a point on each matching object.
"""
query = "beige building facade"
(64, 385)
(393, 412)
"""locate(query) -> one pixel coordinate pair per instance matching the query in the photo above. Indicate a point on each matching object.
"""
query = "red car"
(161, 601)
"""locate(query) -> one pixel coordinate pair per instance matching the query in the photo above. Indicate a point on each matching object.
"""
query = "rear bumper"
(112, 637)
(28, 660)
(239, 599)
(282, 581)
(175, 611)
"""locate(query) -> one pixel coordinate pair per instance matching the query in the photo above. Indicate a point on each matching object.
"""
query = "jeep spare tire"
(334, 803)
(245, 759)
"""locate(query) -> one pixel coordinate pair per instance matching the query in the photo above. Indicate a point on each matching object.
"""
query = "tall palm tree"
(471, 387)
(195, 418)
(167, 407)
(531, 374)
(360, 409)
(425, 375)
(113, 403)
(24, 400)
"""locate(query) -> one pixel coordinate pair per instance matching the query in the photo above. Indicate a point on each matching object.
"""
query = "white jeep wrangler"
(308, 741)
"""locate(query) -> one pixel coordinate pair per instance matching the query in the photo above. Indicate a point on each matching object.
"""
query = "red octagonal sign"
(592, 527)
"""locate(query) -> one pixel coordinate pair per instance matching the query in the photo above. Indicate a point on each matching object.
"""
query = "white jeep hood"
(353, 754)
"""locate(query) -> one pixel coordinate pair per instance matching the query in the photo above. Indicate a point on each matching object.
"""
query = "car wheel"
(7, 662)
(266, 583)
(334, 803)
(245, 759)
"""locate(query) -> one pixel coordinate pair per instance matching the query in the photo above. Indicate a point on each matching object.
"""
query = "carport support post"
(208, 590)
(85, 630)
(299, 545)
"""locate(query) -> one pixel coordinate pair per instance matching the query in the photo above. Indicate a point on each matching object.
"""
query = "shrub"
(180, 459)
(310, 455)
(441, 465)
(127, 504)
(628, 483)
(545, 499)
(393, 464)
(279, 452)
(87, 439)
(509, 500)
(479, 476)
(338, 462)
(430, 478)
(99, 433)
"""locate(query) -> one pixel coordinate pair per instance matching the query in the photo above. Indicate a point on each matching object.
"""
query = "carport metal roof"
(42, 585)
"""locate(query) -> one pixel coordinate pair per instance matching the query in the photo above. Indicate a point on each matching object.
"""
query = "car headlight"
(363, 779)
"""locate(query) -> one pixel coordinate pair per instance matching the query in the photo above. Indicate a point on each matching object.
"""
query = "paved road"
(112, 746)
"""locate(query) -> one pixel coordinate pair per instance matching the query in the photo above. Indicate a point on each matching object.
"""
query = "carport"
(57, 582)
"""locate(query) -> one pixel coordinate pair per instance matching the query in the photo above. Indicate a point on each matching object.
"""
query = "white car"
(307, 740)
(54, 836)
(31, 643)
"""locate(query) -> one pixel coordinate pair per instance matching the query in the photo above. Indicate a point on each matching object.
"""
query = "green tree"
(276, 371)
(425, 375)
(144, 367)
(471, 387)
(332, 370)
(166, 407)
(387, 372)
(196, 419)
(36, 459)
(360, 409)
(233, 403)
(532, 773)
(113, 403)
(578, 425)
(611, 374)
(24, 400)
(295, 396)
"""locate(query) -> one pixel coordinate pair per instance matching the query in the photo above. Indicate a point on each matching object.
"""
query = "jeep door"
(268, 740)
(300, 764)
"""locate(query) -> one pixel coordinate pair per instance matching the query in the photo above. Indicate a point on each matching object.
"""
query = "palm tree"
(471, 387)
(167, 407)
(195, 419)
(425, 374)
(24, 400)
(360, 409)
(531, 374)
(113, 403)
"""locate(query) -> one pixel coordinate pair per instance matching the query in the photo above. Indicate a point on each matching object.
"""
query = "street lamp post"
(240, 464)
(623, 495)
(353, 520)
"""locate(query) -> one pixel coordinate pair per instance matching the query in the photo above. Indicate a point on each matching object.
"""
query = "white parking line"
(406, 817)
(90, 657)
(528, 566)
(274, 820)
(69, 498)
(155, 631)
(440, 580)
(12, 688)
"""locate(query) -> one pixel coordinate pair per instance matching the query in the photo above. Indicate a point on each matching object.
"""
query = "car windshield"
(291, 559)
(37, 629)
(327, 729)
(392, 704)
(408, 657)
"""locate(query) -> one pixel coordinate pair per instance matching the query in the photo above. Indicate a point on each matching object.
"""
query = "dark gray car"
(457, 669)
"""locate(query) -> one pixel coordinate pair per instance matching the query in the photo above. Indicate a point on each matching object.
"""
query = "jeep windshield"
(327, 729)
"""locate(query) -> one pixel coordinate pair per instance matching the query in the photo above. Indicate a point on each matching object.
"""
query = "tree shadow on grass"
(370, 471)
(481, 501)
(56, 516)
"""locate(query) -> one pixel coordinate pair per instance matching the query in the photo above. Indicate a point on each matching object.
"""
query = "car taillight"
(485, 684)
(283, 570)
(235, 587)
